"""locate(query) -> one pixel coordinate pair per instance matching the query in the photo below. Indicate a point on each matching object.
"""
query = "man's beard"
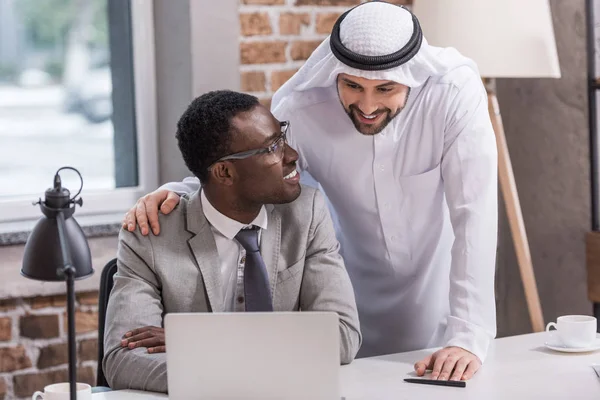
(368, 129)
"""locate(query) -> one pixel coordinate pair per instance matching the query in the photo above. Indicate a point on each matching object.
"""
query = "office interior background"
(99, 85)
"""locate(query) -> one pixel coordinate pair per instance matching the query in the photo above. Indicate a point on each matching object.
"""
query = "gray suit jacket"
(178, 271)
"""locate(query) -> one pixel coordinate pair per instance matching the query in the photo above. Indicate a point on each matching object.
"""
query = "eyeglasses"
(275, 150)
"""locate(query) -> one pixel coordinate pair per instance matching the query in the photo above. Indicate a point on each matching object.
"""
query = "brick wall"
(277, 36)
(33, 343)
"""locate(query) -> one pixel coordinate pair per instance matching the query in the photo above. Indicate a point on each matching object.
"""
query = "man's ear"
(223, 173)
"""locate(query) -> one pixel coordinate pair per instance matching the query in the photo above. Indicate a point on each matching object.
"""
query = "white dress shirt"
(231, 253)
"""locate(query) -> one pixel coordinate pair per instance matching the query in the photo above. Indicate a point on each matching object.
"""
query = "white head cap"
(377, 30)
(374, 29)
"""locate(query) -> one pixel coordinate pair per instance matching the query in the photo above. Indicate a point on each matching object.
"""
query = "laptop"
(272, 355)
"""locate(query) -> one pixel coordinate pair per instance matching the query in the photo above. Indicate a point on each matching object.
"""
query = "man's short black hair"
(204, 130)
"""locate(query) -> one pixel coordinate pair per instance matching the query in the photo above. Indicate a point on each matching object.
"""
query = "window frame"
(108, 206)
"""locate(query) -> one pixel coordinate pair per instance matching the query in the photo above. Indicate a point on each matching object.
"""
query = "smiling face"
(268, 178)
(371, 104)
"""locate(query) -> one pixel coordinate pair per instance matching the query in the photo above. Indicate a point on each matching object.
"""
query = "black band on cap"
(375, 63)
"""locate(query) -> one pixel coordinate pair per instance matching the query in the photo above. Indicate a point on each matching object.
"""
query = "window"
(77, 88)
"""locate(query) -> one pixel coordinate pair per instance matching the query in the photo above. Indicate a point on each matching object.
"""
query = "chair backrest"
(106, 285)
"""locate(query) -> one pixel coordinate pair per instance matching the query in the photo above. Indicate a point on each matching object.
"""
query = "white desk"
(518, 367)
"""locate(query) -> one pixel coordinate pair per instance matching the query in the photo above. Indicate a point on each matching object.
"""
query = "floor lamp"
(507, 39)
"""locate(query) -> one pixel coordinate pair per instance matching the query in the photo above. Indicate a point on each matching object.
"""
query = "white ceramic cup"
(575, 330)
(60, 391)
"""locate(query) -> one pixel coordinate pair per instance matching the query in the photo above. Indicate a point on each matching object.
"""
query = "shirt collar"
(226, 226)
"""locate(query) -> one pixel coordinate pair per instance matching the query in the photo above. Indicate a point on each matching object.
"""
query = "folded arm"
(135, 302)
(326, 285)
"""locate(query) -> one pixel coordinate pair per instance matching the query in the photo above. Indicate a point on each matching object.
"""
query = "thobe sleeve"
(469, 172)
(188, 185)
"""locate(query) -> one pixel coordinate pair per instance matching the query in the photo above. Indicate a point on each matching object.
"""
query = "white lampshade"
(506, 38)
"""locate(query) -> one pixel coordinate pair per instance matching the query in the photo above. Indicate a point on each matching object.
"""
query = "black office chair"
(106, 285)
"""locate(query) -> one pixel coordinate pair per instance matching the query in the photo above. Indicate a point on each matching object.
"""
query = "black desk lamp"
(57, 250)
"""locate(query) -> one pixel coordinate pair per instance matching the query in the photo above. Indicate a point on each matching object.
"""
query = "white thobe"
(415, 208)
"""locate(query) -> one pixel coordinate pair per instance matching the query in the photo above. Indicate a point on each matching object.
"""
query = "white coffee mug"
(60, 391)
(575, 330)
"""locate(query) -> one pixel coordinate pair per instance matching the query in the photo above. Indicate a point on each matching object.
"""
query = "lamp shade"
(43, 258)
(46, 255)
(506, 38)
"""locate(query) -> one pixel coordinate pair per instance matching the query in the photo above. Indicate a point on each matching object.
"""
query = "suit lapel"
(270, 245)
(204, 249)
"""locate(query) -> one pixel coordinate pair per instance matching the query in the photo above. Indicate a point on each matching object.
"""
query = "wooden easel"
(513, 210)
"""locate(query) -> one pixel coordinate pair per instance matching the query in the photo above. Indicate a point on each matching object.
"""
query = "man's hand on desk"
(454, 363)
(151, 337)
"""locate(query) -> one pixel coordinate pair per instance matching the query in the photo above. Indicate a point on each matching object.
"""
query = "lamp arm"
(69, 273)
